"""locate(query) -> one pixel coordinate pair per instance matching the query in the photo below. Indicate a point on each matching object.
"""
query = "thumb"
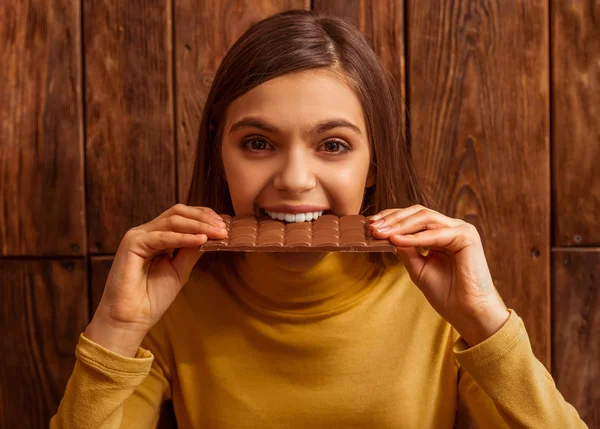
(412, 260)
(184, 262)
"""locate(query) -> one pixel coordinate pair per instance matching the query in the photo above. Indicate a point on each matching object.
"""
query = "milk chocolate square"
(329, 233)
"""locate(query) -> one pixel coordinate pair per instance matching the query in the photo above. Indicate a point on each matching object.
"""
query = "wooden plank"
(576, 329)
(99, 269)
(41, 129)
(479, 95)
(382, 23)
(576, 128)
(205, 30)
(129, 117)
(43, 309)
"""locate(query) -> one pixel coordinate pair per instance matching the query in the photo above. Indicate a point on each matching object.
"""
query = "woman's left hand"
(454, 275)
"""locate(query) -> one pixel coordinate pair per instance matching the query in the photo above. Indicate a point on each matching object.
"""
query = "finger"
(453, 239)
(419, 221)
(185, 261)
(177, 223)
(157, 241)
(195, 212)
(412, 260)
(381, 214)
(188, 211)
(394, 215)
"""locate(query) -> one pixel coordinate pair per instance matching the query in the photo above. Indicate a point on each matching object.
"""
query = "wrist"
(482, 326)
(115, 338)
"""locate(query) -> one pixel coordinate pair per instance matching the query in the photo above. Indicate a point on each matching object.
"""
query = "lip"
(285, 208)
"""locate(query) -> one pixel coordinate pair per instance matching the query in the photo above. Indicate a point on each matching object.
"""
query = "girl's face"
(297, 144)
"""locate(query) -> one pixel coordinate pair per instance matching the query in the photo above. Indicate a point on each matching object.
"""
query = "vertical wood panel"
(43, 309)
(576, 123)
(479, 95)
(204, 32)
(129, 110)
(41, 137)
(99, 268)
(576, 330)
(576, 192)
(382, 22)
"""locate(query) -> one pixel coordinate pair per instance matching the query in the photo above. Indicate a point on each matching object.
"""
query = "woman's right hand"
(145, 279)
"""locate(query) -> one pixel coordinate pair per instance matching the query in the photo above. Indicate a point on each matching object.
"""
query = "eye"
(334, 145)
(254, 144)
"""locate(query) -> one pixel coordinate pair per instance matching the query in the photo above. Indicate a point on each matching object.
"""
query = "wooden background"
(100, 102)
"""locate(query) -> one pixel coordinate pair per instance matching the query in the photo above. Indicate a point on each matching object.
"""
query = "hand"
(453, 275)
(145, 278)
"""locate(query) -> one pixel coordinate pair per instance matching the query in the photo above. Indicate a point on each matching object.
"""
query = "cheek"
(346, 187)
(245, 182)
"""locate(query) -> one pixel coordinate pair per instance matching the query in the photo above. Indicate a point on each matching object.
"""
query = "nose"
(295, 174)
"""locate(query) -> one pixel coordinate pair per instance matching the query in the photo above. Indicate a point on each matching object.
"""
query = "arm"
(110, 390)
(505, 385)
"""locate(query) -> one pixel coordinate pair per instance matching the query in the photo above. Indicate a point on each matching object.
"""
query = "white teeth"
(300, 217)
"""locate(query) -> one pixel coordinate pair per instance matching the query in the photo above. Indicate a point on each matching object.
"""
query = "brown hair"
(298, 40)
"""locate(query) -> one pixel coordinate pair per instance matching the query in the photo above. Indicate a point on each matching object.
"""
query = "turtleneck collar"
(335, 282)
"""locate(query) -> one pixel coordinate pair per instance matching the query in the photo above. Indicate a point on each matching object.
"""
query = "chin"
(297, 261)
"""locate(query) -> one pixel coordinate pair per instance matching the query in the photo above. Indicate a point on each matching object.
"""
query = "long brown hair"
(298, 40)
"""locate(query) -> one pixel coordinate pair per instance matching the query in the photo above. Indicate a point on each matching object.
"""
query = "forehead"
(300, 98)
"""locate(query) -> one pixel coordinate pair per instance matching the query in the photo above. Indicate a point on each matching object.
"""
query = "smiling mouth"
(295, 218)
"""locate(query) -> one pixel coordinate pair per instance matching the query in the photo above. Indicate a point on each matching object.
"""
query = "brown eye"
(332, 146)
(258, 144)
(254, 144)
(336, 147)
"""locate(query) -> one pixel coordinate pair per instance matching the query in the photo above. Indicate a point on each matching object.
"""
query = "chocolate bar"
(326, 234)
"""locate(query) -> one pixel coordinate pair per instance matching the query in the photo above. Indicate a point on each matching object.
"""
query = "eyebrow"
(320, 127)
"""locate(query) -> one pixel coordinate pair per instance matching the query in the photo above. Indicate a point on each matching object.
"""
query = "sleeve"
(109, 391)
(503, 385)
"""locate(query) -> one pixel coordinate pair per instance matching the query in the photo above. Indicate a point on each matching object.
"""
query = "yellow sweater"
(345, 344)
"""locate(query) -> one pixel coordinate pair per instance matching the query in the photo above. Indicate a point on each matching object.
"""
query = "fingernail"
(383, 228)
(379, 222)
(377, 216)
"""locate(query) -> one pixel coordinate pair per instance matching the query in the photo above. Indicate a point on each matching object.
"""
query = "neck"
(331, 280)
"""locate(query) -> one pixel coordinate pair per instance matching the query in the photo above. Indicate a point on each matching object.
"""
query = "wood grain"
(205, 30)
(479, 95)
(41, 134)
(576, 128)
(43, 309)
(99, 268)
(129, 117)
(576, 329)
